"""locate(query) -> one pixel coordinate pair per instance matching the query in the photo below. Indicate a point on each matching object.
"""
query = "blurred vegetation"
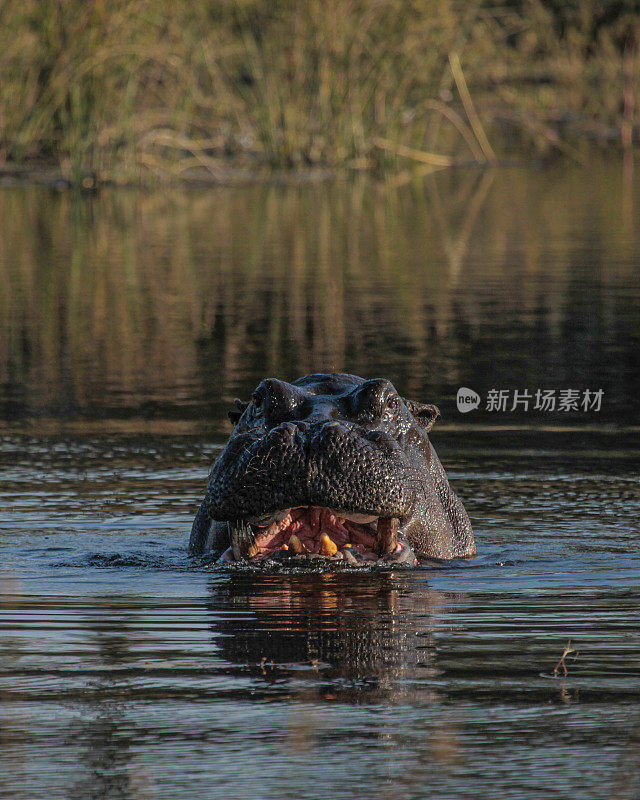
(130, 90)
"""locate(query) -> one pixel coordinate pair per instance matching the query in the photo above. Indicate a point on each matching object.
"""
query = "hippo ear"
(424, 413)
(235, 414)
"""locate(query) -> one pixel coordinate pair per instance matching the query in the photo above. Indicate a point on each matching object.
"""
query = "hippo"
(332, 467)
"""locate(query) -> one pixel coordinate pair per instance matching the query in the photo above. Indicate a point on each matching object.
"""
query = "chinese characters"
(507, 400)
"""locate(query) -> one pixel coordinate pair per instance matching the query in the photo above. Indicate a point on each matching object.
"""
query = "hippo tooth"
(327, 546)
(242, 540)
(348, 555)
(387, 537)
(296, 545)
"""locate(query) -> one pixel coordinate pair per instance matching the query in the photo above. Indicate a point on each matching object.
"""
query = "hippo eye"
(393, 402)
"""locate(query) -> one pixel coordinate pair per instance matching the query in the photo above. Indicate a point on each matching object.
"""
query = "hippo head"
(331, 466)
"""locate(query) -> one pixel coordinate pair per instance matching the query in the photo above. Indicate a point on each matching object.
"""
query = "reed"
(134, 90)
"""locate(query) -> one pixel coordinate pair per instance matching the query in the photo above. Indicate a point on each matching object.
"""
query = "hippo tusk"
(327, 546)
(242, 540)
(387, 535)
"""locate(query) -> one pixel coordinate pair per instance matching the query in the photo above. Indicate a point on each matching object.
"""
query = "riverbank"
(224, 92)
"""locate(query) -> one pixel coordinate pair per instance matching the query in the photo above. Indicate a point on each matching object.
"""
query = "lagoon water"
(128, 323)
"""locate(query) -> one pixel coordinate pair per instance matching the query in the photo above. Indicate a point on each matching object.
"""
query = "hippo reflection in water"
(331, 467)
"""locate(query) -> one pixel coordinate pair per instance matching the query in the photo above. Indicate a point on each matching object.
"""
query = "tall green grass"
(142, 89)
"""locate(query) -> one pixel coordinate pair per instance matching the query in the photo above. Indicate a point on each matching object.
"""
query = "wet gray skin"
(340, 443)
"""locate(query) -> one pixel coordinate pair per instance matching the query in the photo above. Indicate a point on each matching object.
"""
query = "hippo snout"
(330, 464)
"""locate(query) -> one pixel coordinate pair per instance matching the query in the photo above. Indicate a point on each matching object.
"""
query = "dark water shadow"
(360, 632)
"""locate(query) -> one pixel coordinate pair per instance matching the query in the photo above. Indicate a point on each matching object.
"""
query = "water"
(130, 321)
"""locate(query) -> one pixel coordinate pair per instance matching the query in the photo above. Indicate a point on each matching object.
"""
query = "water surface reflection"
(360, 632)
(166, 306)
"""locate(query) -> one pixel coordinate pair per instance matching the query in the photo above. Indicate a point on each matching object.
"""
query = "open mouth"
(314, 532)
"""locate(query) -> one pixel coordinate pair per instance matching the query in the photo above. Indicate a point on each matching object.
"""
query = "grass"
(139, 90)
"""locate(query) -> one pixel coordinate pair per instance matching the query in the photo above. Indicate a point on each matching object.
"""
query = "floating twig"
(433, 159)
(567, 651)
